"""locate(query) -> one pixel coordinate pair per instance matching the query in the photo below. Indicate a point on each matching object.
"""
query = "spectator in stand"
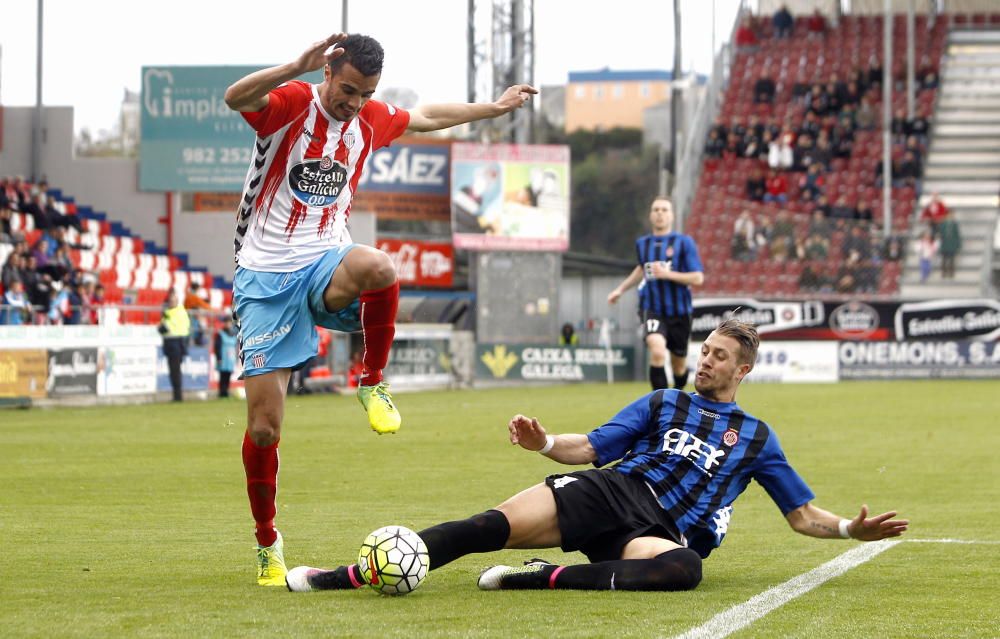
(927, 248)
(783, 22)
(927, 76)
(74, 301)
(803, 150)
(58, 306)
(816, 25)
(821, 153)
(910, 170)
(776, 188)
(356, 370)
(865, 117)
(817, 102)
(734, 147)
(812, 280)
(934, 213)
(892, 250)
(224, 348)
(88, 311)
(951, 243)
(835, 92)
(715, 145)
(197, 308)
(857, 241)
(898, 126)
(852, 94)
(782, 236)
(765, 231)
(822, 204)
(780, 155)
(864, 212)
(11, 271)
(816, 247)
(6, 230)
(15, 305)
(746, 38)
(798, 251)
(847, 279)
(756, 185)
(874, 72)
(818, 224)
(175, 327)
(811, 184)
(763, 90)
(744, 245)
(759, 147)
(919, 127)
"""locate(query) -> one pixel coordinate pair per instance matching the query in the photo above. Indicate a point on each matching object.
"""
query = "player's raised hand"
(613, 296)
(874, 528)
(526, 432)
(515, 97)
(319, 53)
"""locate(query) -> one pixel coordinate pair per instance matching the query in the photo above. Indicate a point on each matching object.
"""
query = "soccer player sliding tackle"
(648, 521)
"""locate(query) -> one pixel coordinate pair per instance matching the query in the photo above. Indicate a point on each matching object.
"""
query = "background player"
(668, 266)
(296, 263)
(647, 522)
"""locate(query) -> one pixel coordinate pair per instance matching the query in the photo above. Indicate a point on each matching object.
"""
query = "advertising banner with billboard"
(922, 359)
(854, 320)
(126, 370)
(523, 362)
(23, 373)
(795, 362)
(510, 197)
(195, 370)
(191, 140)
(421, 263)
(72, 371)
(408, 180)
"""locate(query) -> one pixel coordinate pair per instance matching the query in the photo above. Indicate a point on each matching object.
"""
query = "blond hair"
(746, 334)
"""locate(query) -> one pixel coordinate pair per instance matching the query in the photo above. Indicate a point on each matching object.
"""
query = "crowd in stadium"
(794, 155)
(40, 283)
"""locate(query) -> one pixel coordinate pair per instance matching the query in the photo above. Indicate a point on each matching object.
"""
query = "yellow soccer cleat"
(271, 569)
(382, 413)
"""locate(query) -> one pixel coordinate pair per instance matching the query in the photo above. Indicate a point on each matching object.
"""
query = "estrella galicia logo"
(972, 319)
(854, 320)
(317, 182)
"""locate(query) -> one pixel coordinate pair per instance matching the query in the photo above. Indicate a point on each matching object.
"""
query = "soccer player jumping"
(297, 266)
(646, 522)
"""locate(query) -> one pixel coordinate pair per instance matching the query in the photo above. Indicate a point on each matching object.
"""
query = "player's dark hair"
(746, 334)
(363, 52)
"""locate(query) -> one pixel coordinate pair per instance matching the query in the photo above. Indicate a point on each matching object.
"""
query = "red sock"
(261, 465)
(378, 326)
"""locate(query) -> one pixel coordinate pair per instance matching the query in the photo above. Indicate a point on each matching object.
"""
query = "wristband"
(550, 441)
(844, 532)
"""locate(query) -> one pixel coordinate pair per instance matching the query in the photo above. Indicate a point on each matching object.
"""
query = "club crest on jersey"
(317, 181)
(258, 360)
(349, 139)
(730, 437)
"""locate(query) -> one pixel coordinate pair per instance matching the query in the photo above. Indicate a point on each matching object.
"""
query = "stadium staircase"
(964, 162)
(721, 192)
(134, 272)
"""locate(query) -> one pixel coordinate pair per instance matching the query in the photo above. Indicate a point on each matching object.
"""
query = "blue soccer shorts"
(278, 314)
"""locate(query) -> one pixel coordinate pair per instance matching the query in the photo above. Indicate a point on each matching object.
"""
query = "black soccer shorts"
(676, 330)
(601, 510)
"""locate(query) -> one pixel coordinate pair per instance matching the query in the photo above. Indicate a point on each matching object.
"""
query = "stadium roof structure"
(634, 75)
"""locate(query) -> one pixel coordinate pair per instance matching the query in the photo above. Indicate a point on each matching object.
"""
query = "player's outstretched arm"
(633, 278)
(433, 117)
(816, 522)
(249, 93)
(565, 449)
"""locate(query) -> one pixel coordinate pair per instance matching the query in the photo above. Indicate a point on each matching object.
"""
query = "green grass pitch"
(133, 521)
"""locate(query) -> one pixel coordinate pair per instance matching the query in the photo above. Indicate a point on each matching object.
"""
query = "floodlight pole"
(887, 119)
(675, 106)
(36, 123)
(910, 61)
(343, 16)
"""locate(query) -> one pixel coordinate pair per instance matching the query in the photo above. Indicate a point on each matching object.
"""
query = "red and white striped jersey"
(305, 169)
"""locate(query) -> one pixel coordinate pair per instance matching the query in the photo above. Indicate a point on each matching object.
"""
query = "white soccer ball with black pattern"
(393, 560)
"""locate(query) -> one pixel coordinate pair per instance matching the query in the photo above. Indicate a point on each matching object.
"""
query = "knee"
(686, 564)
(264, 428)
(379, 270)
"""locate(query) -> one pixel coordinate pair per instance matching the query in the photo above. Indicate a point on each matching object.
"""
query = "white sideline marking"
(744, 614)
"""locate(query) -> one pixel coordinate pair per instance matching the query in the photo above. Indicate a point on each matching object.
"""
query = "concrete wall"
(107, 184)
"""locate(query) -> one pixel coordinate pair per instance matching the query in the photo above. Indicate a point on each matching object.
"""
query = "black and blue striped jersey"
(664, 297)
(698, 456)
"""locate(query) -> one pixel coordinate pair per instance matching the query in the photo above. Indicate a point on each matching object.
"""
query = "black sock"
(681, 380)
(484, 532)
(678, 569)
(337, 579)
(658, 377)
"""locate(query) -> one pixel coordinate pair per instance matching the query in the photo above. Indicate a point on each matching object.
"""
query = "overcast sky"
(94, 49)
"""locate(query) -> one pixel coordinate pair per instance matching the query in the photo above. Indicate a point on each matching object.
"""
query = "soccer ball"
(393, 560)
